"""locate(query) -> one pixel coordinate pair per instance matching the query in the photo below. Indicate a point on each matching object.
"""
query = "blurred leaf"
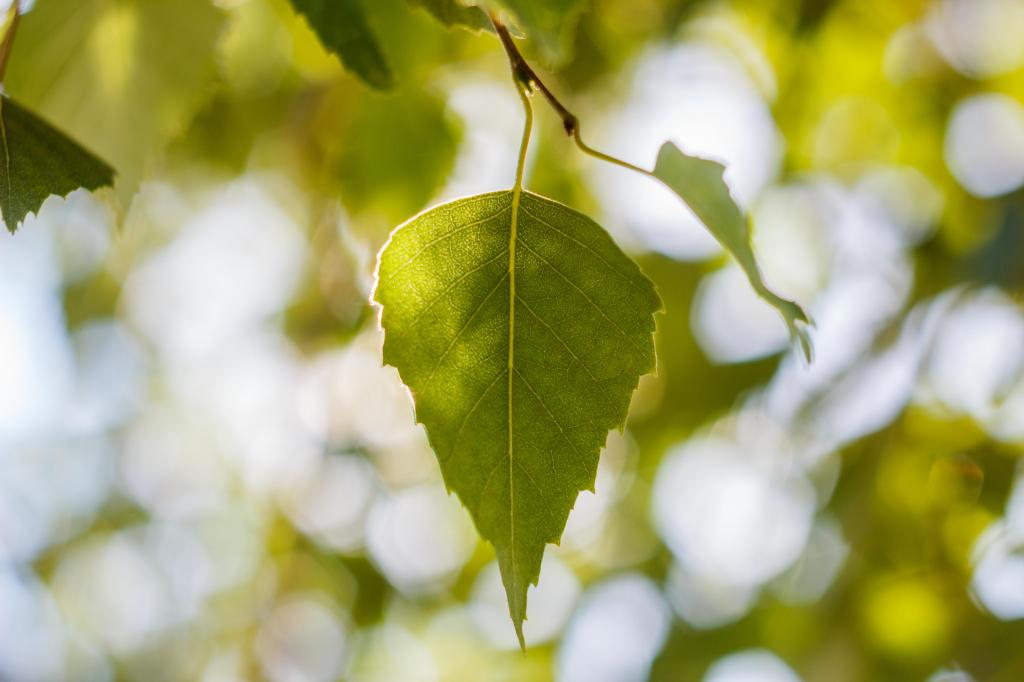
(522, 340)
(344, 30)
(39, 160)
(122, 76)
(454, 13)
(92, 298)
(682, 365)
(396, 154)
(549, 23)
(700, 183)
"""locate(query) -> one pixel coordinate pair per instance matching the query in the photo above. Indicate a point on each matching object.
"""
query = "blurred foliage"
(205, 474)
(119, 77)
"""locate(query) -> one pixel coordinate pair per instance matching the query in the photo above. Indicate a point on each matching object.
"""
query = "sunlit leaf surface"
(521, 331)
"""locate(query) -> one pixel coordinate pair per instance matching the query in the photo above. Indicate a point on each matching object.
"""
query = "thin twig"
(527, 78)
(527, 81)
(524, 74)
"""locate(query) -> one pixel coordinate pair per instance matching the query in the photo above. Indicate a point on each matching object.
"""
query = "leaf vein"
(585, 296)
(472, 411)
(412, 325)
(586, 246)
(557, 338)
(446, 236)
(464, 327)
(554, 420)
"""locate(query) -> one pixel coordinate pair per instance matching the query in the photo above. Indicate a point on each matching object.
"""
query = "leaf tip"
(382, 81)
(797, 320)
(18, 218)
(800, 334)
(799, 328)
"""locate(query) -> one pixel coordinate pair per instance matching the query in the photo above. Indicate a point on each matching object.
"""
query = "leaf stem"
(11, 25)
(525, 144)
(590, 151)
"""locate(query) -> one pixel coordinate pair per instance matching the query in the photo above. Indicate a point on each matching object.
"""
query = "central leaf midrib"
(512, 238)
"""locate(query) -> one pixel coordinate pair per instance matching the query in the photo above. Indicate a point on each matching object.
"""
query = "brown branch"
(524, 74)
(527, 80)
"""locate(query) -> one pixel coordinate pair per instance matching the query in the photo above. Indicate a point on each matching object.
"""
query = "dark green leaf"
(343, 29)
(38, 161)
(521, 331)
(700, 183)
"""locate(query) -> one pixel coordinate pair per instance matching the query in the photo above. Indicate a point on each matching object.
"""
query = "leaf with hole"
(40, 161)
(700, 183)
(521, 331)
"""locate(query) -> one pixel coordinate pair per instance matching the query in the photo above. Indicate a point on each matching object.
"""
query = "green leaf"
(701, 184)
(39, 160)
(374, 168)
(454, 13)
(548, 23)
(521, 331)
(121, 76)
(343, 29)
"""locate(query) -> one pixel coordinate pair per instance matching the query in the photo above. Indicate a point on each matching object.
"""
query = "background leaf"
(517, 399)
(122, 77)
(344, 30)
(549, 24)
(454, 13)
(39, 161)
(700, 183)
(373, 166)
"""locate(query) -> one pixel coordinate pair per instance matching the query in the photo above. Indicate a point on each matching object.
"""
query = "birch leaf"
(521, 331)
(700, 183)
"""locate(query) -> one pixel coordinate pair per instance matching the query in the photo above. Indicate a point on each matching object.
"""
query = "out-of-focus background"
(206, 473)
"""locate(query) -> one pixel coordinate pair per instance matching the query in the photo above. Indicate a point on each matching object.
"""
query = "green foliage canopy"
(566, 264)
(195, 94)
